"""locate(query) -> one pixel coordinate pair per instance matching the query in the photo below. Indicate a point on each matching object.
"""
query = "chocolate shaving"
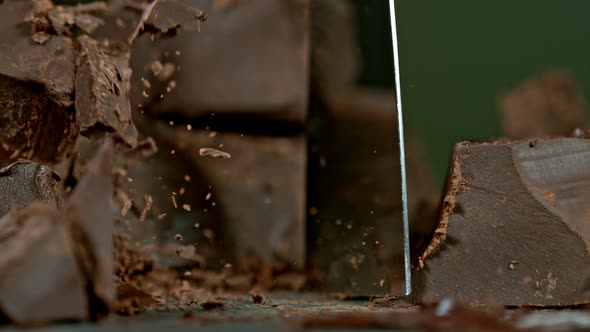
(213, 153)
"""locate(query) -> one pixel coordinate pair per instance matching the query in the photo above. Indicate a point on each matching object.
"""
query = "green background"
(458, 56)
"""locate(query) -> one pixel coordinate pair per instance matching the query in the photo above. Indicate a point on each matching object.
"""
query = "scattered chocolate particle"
(178, 237)
(512, 265)
(257, 298)
(163, 72)
(580, 133)
(126, 207)
(213, 153)
(186, 207)
(149, 201)
(209, 234)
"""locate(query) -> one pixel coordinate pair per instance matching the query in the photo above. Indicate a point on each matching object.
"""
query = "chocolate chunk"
(40, 280)
(51, 64)
(168, 16)
(258, 298)
(92, 224)
(64, 18)
(507, 203)
(102, 86)
(24, 182)
(36, 89)
(213, 305)
(548, 105)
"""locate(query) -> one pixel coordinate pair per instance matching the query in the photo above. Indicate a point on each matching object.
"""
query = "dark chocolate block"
(514, 226)
(245, 78)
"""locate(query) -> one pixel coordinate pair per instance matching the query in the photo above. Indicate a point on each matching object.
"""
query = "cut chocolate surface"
(102, 90)
(513, 230)
(24, 182)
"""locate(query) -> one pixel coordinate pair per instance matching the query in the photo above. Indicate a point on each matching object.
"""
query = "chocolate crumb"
(512, 265)
(213, 305)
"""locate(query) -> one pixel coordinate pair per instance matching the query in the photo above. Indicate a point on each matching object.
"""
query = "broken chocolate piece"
(168, 16)
(102, 86)
(64, 18)
(36, 88)
(548, 105)
(92, 225)
(51, 64)
(24, 182)
(40, 279)
(507, 203)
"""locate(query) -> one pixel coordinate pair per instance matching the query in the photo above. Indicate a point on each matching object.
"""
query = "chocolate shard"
(169, 16)
(550, 104)
(92, 225)
(39, 276)
(24, 182)
(514, 227)
(102, 90)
